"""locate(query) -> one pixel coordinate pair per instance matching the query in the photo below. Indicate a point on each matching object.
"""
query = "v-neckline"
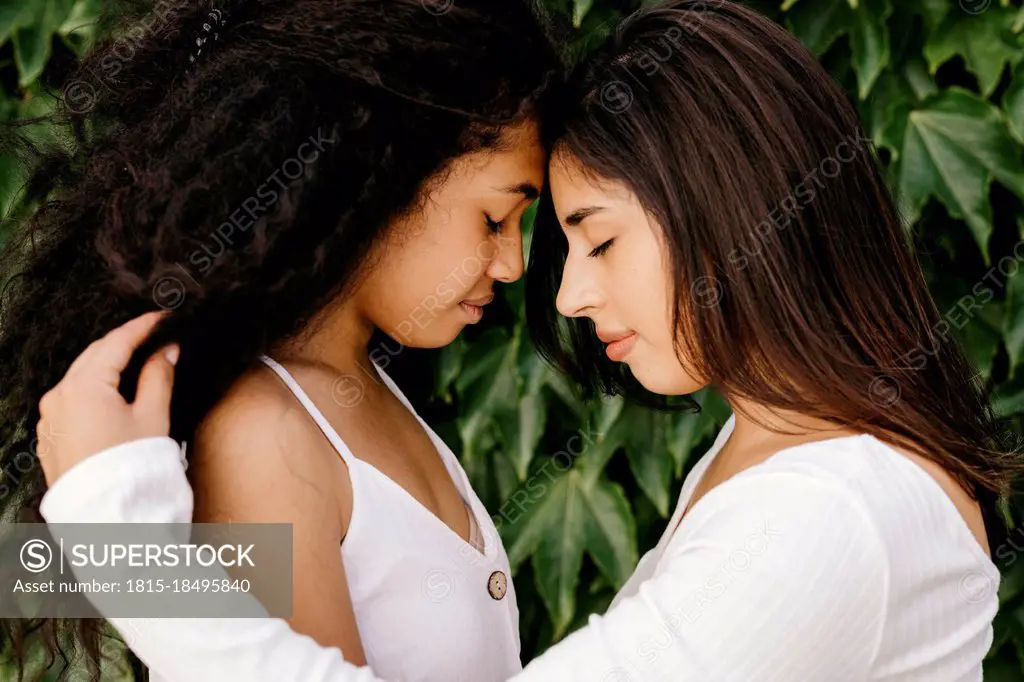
(695, 478)
(439, 447)
(456, 477)
(468, 504)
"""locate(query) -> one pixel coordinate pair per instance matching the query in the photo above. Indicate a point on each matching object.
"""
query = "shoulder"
(790, 546)
(787, 492)
(848, 480)
(898, 492)
(258, 419)
(797, 525)
(258, 445)
(256, 405)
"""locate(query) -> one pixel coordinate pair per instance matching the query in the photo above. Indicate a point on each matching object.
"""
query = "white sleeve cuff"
(141, 481)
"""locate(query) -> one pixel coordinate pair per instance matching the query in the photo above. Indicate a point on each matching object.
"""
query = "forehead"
(519, 157)
(573, 186)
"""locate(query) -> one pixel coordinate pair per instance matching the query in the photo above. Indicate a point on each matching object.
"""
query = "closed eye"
(598, 251)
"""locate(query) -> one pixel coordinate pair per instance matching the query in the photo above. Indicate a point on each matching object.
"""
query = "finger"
(110, 354)
(156, 383)
(43, 444)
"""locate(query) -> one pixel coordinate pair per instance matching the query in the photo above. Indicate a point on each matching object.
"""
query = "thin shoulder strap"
(448, 458)
(311, 408)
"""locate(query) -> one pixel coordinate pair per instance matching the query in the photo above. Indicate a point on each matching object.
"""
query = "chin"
(664, 378)
(439, 339)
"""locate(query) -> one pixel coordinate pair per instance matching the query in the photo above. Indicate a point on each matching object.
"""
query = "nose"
(578, 294)
(507, 263)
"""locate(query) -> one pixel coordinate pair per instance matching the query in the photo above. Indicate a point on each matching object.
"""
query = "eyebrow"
(580, 214)
(525, 188)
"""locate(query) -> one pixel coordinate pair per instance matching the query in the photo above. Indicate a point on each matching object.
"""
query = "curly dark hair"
(244, 192)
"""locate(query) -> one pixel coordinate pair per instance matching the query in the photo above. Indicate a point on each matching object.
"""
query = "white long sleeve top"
(835, 561)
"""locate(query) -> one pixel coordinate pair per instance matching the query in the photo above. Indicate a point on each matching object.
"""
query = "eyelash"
(493, 225)
(599, 251)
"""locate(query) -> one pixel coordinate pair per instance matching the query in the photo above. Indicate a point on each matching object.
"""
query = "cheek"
(418, 309)
(413, 299)
(649, 291)
(650, 296)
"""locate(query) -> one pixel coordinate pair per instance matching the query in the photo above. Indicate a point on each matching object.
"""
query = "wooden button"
(497, 585)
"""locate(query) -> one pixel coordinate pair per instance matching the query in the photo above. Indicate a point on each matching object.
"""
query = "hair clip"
(210, 32)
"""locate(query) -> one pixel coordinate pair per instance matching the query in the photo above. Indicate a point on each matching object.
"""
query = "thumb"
(156, 382)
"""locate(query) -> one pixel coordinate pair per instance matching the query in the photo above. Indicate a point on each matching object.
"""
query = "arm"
(110, 461)
(258, 459)
(143, 481)
(776, 576)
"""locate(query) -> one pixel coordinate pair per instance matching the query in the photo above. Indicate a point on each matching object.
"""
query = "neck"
(339, 338)
(758, 424)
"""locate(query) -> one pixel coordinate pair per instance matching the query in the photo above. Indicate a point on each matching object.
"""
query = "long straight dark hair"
(795, 284)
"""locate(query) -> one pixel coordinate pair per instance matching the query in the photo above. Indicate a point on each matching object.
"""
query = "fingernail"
(172, 354)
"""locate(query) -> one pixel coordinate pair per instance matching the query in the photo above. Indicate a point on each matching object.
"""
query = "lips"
(619, 343)
(474, 307)
(479, 302)
(612, 337)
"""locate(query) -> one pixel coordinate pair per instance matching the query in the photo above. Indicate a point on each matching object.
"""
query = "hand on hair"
(85, 413)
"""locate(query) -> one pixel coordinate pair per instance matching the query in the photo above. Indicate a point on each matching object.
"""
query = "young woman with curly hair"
(290, 177)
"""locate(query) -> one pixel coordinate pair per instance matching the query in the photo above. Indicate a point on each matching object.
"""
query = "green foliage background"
(579, 491)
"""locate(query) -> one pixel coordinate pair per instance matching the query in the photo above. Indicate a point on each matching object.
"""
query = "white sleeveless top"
(429, 605)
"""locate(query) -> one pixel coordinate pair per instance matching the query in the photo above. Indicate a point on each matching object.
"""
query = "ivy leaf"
(1013, 103)
(523, 424)
(953, 149)
(714, 412)
(567, 394)
(984, 40)
(1013, 321)
(1005, 668)
(980, 341)
(933, 11)
(559, 555)
(915, 73)
(523, 429)
(610, 531)
(579, 11)
(869, 41)
(1008, 398)
(648, 454)
(82, 17)
(609, 434)
(449, 365)
(10, 11)
(33, 34)
(884, 113)
(488, 383)
(12, 179)
(1012, 582)
(568, 516)
(819, 26)
(682, 439)
(79, 29)
(482, 358)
